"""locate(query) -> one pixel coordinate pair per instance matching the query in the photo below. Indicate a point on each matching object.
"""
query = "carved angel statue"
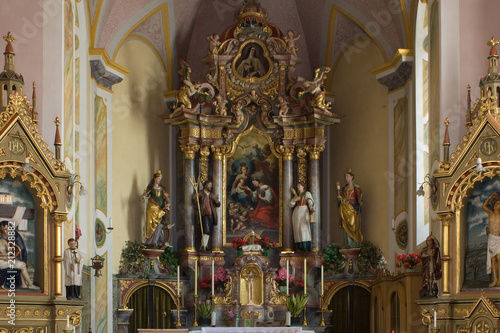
(290, 41)
(199, 91)
(220, 105)
(283, 105)
(213, 44)
(315, 90)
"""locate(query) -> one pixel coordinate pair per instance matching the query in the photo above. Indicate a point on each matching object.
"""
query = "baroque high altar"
(253, 126)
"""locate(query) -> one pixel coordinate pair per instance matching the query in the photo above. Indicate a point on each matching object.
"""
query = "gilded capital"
(288, 153)
(445, 218)
(59, 218)
(189, 150)
(314, 151)
(219, 151)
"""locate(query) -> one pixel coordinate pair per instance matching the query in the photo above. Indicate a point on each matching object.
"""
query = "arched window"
(422, 165)
(395, 313)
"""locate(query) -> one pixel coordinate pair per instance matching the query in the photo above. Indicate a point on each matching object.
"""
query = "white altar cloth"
(252, 330)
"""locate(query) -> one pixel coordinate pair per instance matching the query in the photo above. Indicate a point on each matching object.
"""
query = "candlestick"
(435, 319)
(213, 287)
(178, 309)
(287, 278)
(322, 298)
(288, 319)
(178, 282)
(67, 321)
(196, 276)
(305, 275)
(322, 291)
(213, 319)
(304, 322)
(195, 323)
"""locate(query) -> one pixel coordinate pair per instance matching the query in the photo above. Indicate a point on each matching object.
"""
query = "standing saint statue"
(492, 207)
(431, 267)
(207, 204)
(350, 202)
(158, 203)
(301, 217)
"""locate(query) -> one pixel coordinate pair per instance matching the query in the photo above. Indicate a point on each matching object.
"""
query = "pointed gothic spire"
(446, 141)
(57, 140)
(9, 54)
(34, 114)
(493, 56)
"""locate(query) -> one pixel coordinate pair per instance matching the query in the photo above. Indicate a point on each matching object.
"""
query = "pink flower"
(407, 265)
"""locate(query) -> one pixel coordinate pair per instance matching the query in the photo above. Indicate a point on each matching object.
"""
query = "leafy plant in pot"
(169, 259)
(205, 310)
(132, 261)
(295, 306)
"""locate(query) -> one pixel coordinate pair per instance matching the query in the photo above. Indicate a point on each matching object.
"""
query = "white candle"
(213, 287)
(110, 222)
(178, 282)
(288, 319)
(435, 319)
(322, 280)
(213, 319)
(305, 275)
(287, 279)
(392, 223)
(67, 322)
(196, 276)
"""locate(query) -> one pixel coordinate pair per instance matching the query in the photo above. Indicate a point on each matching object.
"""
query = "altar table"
(252, 330)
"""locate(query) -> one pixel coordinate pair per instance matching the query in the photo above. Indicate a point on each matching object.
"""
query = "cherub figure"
(220, 105)
(283, 105)
(290, 41)
(213, 44)
(233, 212)
(242, 221)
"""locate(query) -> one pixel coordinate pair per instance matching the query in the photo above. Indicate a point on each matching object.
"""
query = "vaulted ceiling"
(177, 29)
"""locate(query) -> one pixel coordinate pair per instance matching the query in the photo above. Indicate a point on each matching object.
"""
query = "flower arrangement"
(78, 232)
(265, 243)
(281, 277)
(407, 260)
(296, 285)
(220, 278)
(238, 243)
(229, 314)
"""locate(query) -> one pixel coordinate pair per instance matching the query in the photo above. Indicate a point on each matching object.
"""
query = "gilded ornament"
(27, 313)
(288, 153)
(211, 133)
(61, 312)
(2, 152)
(37, 312)
(59, 218)
(204, 152)
(272, 88)
(314, 151)
(18, 312)
(189, 150)
(301, 154)
(46, 312)
(76, 318)
(233, 90)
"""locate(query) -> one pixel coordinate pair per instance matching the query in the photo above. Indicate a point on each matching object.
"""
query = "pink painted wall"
(478, 22)
(25, 21)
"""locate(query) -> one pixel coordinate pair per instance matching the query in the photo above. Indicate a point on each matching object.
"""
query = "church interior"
(222, 165)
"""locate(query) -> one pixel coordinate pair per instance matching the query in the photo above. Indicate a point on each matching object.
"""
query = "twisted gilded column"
(218, 187)
(287, 196)
(301, 155)
(313, 186)
(204, 153)
(59, 219)
(445, 219)
(189, 151)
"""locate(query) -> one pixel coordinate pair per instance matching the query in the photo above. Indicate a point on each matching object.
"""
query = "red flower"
(407, 265)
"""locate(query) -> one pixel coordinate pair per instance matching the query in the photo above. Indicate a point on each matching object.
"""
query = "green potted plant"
(296, 306)
(333, 258)
(132, 261)
(368, 258)
(205, 310)
(169, 260)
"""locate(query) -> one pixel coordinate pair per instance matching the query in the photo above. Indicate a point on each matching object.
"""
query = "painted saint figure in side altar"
(158, 204)
(350, 203)
(207, 204)
(301, 217)
(266, 211)
(492, 207)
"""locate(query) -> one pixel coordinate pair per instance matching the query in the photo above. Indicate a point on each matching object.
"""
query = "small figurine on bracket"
(220, 105)
(290, 41)
(350, 201)
(158, 204)
(283, 105)
(431, 267)
(73, 270)
(213, 44)
(207, 204)
(301, 217)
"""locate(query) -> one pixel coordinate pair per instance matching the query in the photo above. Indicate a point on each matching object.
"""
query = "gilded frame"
(225, 200)
(261, 53)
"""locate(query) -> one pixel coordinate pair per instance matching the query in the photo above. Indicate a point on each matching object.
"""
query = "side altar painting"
(253, 189)
(483, 224)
